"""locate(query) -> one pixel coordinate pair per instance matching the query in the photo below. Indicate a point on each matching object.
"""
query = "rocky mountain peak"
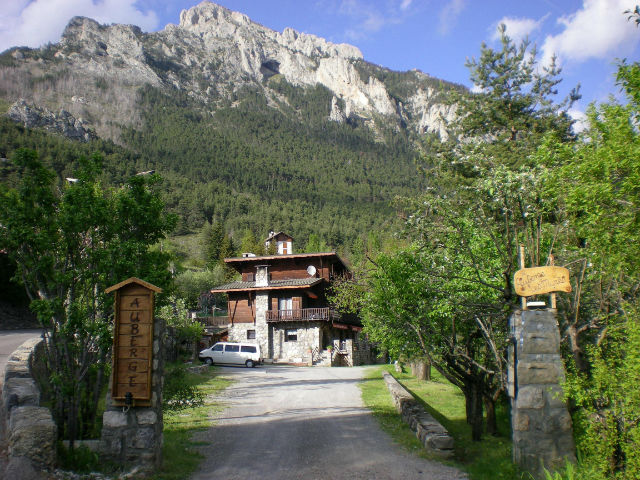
(209, 19)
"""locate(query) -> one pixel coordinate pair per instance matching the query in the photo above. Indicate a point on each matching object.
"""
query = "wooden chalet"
(280, 303)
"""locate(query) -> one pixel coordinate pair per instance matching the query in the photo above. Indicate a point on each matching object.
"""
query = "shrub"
(179, 393)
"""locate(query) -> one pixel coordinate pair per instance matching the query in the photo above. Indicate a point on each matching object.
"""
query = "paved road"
(9, 341)
(304, 423)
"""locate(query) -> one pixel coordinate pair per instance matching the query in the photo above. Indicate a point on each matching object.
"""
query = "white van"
(247, 354)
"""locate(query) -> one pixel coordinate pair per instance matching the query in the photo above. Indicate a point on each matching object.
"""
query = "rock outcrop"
(62, 122)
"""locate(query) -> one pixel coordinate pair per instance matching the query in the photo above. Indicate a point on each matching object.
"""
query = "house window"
(250, 277)
(251, 334)
(291, 335)
(285, 304)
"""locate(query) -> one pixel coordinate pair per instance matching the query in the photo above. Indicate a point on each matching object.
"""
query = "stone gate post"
(541, 425)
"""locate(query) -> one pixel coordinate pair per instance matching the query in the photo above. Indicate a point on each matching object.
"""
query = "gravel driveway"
(304, 423)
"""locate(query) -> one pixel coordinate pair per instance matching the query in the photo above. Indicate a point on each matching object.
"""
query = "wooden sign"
(540, 280)
(133, 341)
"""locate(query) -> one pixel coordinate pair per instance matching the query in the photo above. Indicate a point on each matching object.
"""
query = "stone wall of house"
(362, 351)
(431, 434)
(27, 430)
(542, 431)
(300, 350)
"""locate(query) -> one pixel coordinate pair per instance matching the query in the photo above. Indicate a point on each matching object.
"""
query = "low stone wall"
(27, 430)
(433, 436)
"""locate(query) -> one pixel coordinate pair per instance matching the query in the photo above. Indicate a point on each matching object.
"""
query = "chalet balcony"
(302, 314)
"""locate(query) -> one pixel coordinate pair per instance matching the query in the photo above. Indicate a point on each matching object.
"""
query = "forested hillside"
(251, 166)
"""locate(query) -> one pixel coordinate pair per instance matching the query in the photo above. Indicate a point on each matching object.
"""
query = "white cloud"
(370, 18)
(598, 30)
(518, 28)
(449, 14)
(580, 119)
(36, 22)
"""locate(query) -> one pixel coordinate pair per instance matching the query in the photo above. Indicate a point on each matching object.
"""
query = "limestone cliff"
(95, 71)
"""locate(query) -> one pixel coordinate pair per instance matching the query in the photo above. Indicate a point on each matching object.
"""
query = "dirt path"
(304, 423)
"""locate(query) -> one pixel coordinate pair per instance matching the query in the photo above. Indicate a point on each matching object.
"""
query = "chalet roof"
(273, 285)
(234, 261)
(275, 234)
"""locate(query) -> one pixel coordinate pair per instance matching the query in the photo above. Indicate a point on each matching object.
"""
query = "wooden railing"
(305, 314)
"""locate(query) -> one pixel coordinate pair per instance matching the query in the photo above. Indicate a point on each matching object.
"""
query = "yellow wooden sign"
(540, 280)
(133, 341)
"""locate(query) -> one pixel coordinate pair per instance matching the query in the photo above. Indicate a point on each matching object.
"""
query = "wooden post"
(523, 300)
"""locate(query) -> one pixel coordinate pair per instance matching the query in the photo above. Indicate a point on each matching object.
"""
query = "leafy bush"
(179, 393)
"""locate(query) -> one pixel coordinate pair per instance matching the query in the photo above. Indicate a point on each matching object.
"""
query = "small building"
(281, 304)
(283, 243)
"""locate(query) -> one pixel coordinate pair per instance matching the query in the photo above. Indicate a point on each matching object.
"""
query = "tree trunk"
(576, 351)
(419, 369)
(490, 407)
(473, 400)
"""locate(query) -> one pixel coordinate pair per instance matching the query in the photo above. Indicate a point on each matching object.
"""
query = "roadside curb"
(433, 436)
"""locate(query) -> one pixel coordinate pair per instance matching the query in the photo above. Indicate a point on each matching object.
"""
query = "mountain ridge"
(212, 53)
(254, 128)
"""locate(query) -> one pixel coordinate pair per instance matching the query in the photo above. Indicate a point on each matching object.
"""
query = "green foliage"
(178, 392)
(315, 244)
(81, 460)
(176, 315)
(212, 238)
(69, 244)
(191, 285)
(609, 402)
(249, 244)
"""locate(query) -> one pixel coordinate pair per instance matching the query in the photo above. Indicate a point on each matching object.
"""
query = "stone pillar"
(262, 329)
(541, 424)
(132, 436)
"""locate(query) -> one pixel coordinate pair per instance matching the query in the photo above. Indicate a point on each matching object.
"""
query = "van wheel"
(249, 363)
(208, 361)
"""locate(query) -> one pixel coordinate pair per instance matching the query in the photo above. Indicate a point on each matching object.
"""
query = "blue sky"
(435, 36)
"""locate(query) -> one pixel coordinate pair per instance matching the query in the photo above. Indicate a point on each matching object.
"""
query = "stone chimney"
(262, 276)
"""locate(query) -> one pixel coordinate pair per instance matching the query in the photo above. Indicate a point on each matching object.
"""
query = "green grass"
(489, 459)
(179, 453)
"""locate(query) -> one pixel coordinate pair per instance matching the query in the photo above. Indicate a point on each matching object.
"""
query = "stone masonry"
(541, 424)
(26, 429)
